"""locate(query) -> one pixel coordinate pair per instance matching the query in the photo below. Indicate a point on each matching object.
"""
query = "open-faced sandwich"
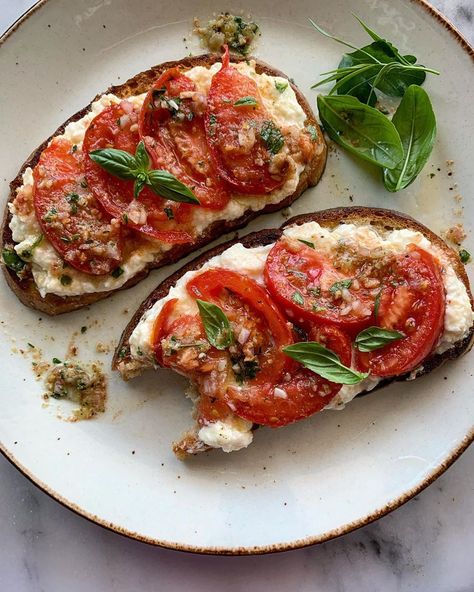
(278, 325)
(152, 170)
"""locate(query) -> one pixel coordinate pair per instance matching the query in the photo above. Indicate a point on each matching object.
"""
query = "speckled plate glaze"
(293, 487)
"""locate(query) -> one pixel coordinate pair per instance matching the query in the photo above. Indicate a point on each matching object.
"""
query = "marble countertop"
(423, 546)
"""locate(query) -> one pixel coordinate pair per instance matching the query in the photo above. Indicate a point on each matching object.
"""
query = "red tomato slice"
(176, 343)
(310, 290)
(75, 224)
(269, 331)
(172, 127)
(412, 302)
(299, 393)
(233, 133)
(116, 127)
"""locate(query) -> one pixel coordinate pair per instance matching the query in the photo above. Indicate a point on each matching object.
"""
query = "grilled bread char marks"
(25, 289)
(382, 220)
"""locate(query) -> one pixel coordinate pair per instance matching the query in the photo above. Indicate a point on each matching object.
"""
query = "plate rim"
(275, 547)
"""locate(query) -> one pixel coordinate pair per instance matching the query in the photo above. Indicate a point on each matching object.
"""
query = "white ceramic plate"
(292, 487)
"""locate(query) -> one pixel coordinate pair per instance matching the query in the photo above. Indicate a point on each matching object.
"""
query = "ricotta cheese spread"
(458, 319)
(284, 109)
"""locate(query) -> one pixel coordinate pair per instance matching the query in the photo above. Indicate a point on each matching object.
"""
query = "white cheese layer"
(458, 319)
(283, 108)
(230, 435)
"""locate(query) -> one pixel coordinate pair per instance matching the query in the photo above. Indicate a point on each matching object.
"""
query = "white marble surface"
(424, 546)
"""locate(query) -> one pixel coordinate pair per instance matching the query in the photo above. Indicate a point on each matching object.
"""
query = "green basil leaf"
(246, 102)
(416, 124)
(464, 256)
(272, 137)
(281, 86)
(12, 260)
(361, 129)
(395, 80)
(141, 157)
(139, 184)
(168, 186)
(375, 338)
(358, 85)
(116, 162)
(324, 362)
(216, 325)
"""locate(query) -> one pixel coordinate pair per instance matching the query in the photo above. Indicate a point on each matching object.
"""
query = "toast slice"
(381, 220)
(53, 304)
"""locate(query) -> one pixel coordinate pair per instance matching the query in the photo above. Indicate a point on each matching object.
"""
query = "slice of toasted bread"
(381, 219)
(52, 304)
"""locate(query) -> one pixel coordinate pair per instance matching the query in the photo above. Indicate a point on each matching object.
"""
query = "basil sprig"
(376, 337)
(324, 362)
(216, 325)
(401, 147)
(136, 167)
(416, 125)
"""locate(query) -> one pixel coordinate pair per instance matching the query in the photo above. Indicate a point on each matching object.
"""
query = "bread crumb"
(455, 234)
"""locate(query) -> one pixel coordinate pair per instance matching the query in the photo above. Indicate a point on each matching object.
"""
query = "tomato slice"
(241, 298)
(412, 302)
(179, 341)
(299, 393)
(310, 290)
(117, 127)
(69, 215)
(234, 133)
(172, 127)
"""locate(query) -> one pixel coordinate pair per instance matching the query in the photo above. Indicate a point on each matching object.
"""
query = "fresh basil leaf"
(361, 129)
(416, 124)
(168, 186)
(141, 157)
(139, 184)
(216, 325)
(324, 362)
(116, 162)
(281, 86)
(358, 85)
(246, 102)
(376, 337)
(272, 137)
(12, 260)
(464, 255)
(394, 81)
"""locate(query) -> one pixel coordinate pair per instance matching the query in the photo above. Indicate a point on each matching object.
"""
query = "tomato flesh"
(116, 127)
(233, 133)
(412, 302)
(298, 393)
(172, 127)
(75, 224)
(310, 290)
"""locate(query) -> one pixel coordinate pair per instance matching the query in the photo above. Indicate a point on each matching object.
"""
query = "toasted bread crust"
(53, 304)
(379, 218)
